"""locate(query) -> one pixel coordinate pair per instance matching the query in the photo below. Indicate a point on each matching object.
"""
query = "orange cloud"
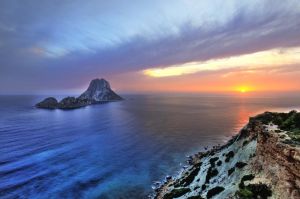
(283, 78)
(250, 62)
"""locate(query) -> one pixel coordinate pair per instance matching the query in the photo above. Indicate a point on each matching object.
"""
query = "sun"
(243, 89)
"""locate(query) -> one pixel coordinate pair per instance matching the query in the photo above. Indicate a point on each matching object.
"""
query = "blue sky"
(60, 45)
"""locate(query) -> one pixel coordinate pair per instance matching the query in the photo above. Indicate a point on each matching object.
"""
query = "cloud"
(80, 48)
(271, 59)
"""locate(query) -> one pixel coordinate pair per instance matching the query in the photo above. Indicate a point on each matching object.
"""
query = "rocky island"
(99, 91)
(262, 161)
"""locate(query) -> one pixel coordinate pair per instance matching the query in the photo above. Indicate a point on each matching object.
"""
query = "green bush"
(240, 164)
(229, 155)
(214, 191)
(190, 178)
(245, 194)
(175, 193)
(285, 121)
(245, 142)
(211, 172)
(253, 191)
(212, 161)
(247, 177)
(260, 190)
(230, 171)
(195, 197)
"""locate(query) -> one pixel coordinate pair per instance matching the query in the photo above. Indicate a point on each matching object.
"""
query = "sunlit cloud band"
(264, 59)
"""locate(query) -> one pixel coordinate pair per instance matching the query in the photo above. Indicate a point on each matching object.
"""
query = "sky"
(150, 46)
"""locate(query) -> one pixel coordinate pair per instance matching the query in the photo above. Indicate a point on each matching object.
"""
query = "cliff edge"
(262, 161)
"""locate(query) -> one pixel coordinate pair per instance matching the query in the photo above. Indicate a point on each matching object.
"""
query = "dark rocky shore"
(262, 161)
(99, 91)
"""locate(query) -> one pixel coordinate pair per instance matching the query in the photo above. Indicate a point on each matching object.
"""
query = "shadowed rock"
(71, 103)
(48, 103)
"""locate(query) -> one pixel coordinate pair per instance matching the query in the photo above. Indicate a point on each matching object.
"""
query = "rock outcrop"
(262, 161)
(49, 103)
(71, 103)
(99, 91)
(279, 162)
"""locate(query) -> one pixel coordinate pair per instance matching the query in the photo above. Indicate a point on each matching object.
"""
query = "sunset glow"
(243, 89)
(246, 43)
(102, 99)
(272, 59)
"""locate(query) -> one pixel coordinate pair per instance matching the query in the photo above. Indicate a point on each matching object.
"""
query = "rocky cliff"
(262, 161)
(99, 91)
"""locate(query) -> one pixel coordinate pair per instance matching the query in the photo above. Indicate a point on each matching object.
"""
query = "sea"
(116, 150)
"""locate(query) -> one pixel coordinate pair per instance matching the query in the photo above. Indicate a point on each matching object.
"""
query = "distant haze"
(56, 46)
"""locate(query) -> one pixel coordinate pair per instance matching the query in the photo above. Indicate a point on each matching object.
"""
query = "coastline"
(239, 168)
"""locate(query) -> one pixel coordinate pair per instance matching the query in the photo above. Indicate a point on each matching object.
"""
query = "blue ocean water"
(114, 150)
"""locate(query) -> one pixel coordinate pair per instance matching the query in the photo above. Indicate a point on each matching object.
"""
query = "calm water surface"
(114, 150)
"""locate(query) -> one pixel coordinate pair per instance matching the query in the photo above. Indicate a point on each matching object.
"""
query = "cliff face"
(279, 162)
(99, 91)
(262, 161)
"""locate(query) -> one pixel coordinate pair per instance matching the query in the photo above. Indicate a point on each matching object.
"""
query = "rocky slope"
(262, 161)
(99, 91)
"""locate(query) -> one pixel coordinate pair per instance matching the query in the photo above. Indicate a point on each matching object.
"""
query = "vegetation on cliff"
(285, 121)
(262, 161)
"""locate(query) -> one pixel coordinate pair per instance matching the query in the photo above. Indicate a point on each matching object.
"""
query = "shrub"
(230, 171)
(260, 190)
(195, 197)
(213, 160)
(245, 194)
(285, 121)
(295, 135)
(247, 177)
(175, 193)
(214, 191)
(229, 155)
(211, 173)
(198, 164)
(240, 164)
(245, 142)
(190, 178)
